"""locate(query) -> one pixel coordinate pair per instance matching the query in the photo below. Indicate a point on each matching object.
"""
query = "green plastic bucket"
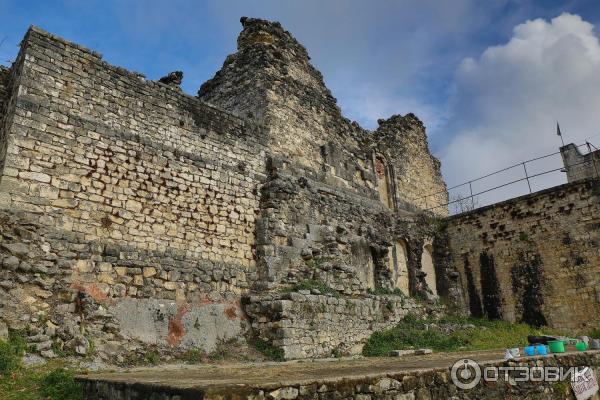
(557, 346)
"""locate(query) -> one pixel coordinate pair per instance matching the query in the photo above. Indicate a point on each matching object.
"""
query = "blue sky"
(456, 64)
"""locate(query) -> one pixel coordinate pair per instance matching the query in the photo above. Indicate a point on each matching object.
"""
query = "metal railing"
(468, 200)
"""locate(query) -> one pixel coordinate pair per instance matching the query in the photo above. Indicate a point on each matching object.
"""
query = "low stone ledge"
(316, 326)
(371, 379)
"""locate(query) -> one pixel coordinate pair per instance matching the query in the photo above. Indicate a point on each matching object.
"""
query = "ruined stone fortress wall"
(534, 258)
(4, 78)
(139, 216)
(129, 160)
(270, 80)
(160, 189)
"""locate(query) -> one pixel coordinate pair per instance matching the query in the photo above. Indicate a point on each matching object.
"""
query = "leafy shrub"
(60, 384)
(151, 358)
(272, 353)
(336, 353)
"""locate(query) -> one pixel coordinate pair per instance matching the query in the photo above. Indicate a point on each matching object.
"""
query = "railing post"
(472, 200)
(527, 177)
(593, 157)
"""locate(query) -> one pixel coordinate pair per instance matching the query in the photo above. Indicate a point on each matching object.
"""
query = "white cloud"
(505, 104)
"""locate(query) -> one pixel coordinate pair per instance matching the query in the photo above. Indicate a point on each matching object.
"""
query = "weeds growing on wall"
(272, 353)
(314, 284)
(449, 334)
(386, 292)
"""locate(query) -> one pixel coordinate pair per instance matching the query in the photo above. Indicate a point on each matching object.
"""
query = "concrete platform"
(263, 379)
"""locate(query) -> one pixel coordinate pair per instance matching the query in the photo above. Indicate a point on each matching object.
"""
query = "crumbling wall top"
(262, 32)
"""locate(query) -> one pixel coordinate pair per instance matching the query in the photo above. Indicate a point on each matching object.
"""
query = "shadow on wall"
(475, 307)
(490, 287)
(526, 280)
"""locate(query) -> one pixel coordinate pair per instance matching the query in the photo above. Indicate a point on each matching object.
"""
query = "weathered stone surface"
(580, 166)
(270, 80)
(534, 258)
(309, 326)
(141, 216)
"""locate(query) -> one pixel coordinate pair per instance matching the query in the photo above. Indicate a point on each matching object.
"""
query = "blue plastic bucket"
(529, 350)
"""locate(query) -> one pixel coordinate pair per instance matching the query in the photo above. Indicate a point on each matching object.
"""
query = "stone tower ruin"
(137, 215)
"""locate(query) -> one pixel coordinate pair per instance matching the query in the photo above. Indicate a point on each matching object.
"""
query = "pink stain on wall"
(176, 330)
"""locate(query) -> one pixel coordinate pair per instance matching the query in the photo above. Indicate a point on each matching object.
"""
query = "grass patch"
(148, 358)
(60, 385)
(272, 353)
(151, 358)
(46, 382)
(314, 284)
(11, 353)
(194, 356)
(464, 334)
(9, 360)
(224, 350)
(595, 333)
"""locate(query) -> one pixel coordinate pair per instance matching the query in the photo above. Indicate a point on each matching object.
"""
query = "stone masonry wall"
(7, 85)
(146, 200)
(310, 230)
(4, 78)
(128, 159)
(270, 80)
(66, 292)
(139, 216)
(580, 166)
(534, 258)
(309, 325)
(312, 233)
(329, 211)
(417, 175)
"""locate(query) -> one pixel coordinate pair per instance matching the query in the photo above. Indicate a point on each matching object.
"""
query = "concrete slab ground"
(201, 381)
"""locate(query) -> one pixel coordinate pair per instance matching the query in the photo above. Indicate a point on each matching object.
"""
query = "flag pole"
(559, 134)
